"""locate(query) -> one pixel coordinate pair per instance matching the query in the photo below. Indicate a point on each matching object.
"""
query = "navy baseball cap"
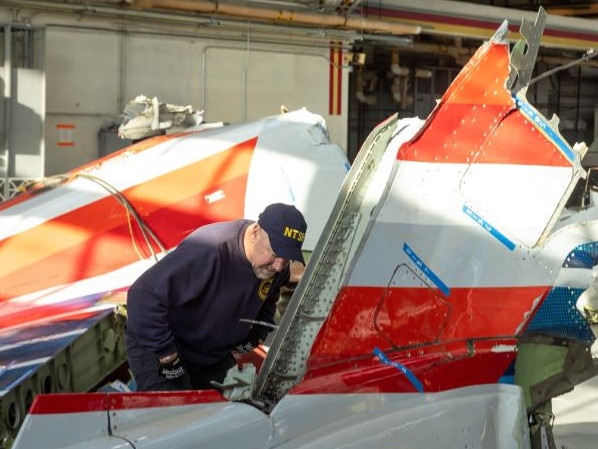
(286, 228)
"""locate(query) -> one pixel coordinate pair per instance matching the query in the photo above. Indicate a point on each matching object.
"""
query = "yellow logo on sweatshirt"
(264, 288)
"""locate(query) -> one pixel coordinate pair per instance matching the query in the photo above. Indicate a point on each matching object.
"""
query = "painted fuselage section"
(460, 250)
(71, 245)
(141, 201)
(481, 416)
(440, 252)
(453, 250)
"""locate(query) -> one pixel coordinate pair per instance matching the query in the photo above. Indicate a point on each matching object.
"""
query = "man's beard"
(263, 272)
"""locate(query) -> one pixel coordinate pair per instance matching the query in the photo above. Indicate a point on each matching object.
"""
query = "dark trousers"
(144, 366)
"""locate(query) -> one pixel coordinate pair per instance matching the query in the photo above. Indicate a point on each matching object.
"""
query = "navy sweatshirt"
(193, 299)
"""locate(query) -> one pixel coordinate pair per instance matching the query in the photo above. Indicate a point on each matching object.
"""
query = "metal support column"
(5, 151)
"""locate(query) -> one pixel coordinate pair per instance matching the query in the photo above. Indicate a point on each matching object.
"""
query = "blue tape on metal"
(426, 270)
(489, 228)
(527, 110)
(412, 378)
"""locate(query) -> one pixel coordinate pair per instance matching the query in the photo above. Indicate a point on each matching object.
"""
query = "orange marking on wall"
(65, 135)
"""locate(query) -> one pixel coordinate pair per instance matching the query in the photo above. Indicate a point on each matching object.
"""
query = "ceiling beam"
(284, 17)
(573, 10)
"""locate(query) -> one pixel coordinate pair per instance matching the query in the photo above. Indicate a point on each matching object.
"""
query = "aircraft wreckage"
(448, 298)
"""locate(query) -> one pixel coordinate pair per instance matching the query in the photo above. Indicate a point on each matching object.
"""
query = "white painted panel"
(520, 199)
(480, 416)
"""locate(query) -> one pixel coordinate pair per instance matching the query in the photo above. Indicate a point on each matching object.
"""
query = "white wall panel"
(82, 71)
(63, 154)
(248, 84)
(165, 67)
(93, 73)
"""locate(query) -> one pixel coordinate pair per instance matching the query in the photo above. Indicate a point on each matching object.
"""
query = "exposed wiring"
(51, 182)
(590, 54)
(146, 232)
(259, 323)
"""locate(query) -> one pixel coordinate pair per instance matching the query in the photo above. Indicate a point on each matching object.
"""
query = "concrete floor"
(576, 416)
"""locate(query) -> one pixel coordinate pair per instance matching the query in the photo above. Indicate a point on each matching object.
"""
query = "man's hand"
(246, 346)
(170, 367)
(252, 341)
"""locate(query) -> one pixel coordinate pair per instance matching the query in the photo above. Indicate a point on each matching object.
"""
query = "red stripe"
(14, 315)
(477, 122)
(446, 342)
(363, 318)
(486, 25)
(45, 404)
(331, 83)
(454, 136)
(436, 367)
(128, 151)
(94, 239)
(339, 82)
(138, 147)
(405, 14)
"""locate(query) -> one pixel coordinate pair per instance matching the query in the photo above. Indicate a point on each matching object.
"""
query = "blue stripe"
(489, 228)
(402, 368)
(424, 268)
(7, 367)
(20, 379)
(527, 110)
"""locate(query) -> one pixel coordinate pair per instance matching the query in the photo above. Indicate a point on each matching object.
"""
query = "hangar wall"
(240, 68)
(93, 69)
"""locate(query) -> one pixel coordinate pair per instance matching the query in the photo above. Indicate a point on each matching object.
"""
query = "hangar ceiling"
(352, 19)
(570, 8)
(426, 38)
(427, 28)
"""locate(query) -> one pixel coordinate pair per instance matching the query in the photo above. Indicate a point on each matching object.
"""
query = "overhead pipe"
(287, 17)
(108, 9)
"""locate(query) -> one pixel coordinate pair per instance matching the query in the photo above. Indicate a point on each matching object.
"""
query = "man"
(188, 311)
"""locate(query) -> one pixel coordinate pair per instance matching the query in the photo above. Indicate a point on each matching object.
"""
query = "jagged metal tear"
(524, 52)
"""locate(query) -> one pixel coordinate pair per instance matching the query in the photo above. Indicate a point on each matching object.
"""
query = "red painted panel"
(520, 142)
(125, 401)
(437, 367)
(46, 183)
(454, 134)
(102, 236)
(14, 315)
(95, 402)
(363, 318)
(482, 80)
(477, 122)
(68, 403)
